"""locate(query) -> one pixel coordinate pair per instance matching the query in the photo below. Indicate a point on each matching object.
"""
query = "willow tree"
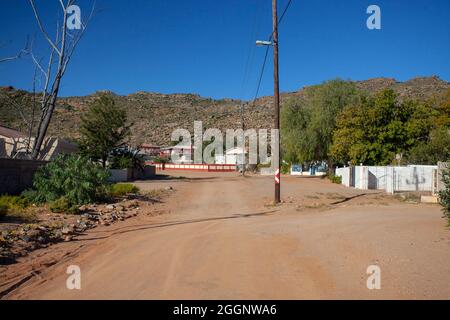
(307, 123)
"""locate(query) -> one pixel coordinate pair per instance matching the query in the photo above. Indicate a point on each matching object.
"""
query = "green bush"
(62, 205)
(122, 189)
(336, 179)
(444, 195)
(285, 168)
(74, 177)
(122, 163)
(14, 202)
(124, 158)
(30, 195)
(16, 207)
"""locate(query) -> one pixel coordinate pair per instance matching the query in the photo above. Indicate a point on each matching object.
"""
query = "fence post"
(364, 178)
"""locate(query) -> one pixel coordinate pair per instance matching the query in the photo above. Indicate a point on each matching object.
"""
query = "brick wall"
(17, 175)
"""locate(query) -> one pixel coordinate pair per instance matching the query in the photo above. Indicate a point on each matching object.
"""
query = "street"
(219, 237)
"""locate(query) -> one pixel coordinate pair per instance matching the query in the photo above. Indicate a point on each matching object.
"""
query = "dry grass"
(155, 193)
(20, 215)
(335, 196)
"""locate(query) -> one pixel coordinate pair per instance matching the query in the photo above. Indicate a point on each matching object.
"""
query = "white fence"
(390, 179)
(344, 173)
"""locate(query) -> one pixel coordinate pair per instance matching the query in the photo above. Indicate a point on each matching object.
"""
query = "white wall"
(377, 177)
(344, 173)
(413, 178)
(390, 179)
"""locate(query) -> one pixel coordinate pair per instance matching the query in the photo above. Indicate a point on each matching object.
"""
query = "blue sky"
(204, 46)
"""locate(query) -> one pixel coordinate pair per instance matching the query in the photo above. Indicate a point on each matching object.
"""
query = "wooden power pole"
(243, 139)
(276, 97)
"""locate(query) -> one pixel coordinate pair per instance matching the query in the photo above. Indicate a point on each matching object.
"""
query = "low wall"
(123, 175)
(377, 177)
(389, 179)
(413, 178)
(120, 175)
(344, 173)
(17, 175)
(196, 167)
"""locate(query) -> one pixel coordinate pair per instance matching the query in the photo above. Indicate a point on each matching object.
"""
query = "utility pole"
(276, 97)
(243, 139)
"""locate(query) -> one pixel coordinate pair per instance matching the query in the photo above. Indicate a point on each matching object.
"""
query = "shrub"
(14, 202)
(123, 158)
(30, 195)
(336, 179)
(74, 177)
(285, 167)
(62, 205)
(122, 189)
(444, 195)
(16, 207)
(121, 163)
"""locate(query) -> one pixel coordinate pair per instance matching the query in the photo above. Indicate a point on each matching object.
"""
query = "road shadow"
(346, 199)
(126, 229)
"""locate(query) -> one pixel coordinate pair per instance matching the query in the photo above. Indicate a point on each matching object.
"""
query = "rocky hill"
(156, 115)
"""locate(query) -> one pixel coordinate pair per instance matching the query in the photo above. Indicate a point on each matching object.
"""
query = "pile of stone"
(25, 238)
(17, 242)
(109, 213)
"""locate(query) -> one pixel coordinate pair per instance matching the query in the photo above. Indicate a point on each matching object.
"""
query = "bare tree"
(17, 56)
(62, 47)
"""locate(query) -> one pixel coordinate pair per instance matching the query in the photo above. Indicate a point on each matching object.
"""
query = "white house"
(184, 153)
(232, 156)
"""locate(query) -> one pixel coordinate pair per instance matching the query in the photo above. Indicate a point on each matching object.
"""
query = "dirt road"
(221, 239)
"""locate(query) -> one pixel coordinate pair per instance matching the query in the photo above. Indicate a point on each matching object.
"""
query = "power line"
(261, 75)
(282, 15)
(251, 51)
(267, 52)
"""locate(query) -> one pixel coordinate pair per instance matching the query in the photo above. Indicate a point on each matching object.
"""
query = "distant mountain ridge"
(156, 115)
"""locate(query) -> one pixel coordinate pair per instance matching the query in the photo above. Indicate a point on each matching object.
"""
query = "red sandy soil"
(220, 238)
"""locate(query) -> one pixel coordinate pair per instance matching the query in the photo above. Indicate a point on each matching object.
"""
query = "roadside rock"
(52, 228)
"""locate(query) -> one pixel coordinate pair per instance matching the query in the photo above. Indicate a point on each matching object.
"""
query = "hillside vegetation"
(155, 116)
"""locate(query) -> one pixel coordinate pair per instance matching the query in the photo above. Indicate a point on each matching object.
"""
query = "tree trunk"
(330, 167)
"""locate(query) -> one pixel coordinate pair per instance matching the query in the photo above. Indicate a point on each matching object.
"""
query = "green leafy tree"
(436, 148)
(377, 128)
(103, 128)
(307, 123)
(442, 107)
(444, 195)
